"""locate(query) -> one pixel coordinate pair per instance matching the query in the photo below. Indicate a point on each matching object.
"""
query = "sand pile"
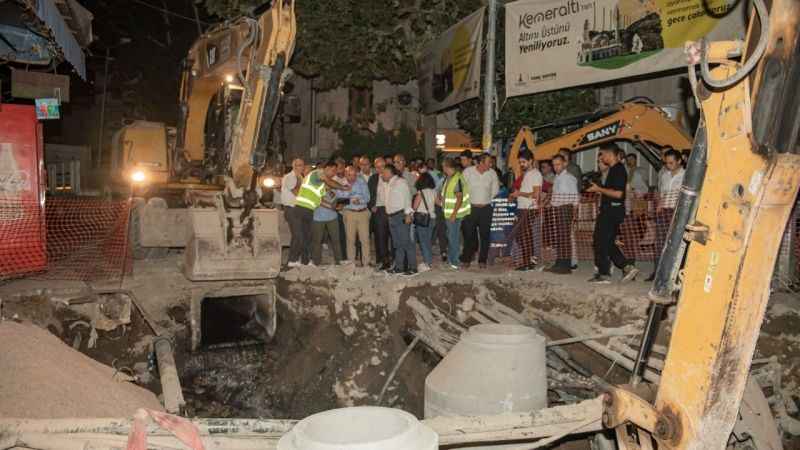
(41, 377)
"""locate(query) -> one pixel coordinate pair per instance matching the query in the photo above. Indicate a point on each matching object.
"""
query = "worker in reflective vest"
(454, 199)
(309, 198)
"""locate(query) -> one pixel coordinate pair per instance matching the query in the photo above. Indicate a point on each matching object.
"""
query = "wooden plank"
(518, 426)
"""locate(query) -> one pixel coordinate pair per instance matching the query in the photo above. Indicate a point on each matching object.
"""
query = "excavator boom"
(738, 192)
(644, 125)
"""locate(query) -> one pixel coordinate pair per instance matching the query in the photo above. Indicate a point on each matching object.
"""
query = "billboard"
(554, 44)
(449, 68)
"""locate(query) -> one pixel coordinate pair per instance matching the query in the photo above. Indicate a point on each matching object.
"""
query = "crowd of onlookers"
(378, 212)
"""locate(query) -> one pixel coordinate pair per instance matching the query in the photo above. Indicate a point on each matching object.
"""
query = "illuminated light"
(269, 182)
(138, 176)
(441, 139)
(229, 78)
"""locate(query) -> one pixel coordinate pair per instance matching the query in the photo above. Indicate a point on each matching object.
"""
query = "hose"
(251, 37)
(747, 67)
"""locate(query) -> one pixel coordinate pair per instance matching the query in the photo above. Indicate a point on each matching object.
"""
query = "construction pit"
(342, 338)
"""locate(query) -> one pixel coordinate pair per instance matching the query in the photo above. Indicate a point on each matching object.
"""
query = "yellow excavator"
(739, 189)
(740, 186)
(205, 185)
(638, 121)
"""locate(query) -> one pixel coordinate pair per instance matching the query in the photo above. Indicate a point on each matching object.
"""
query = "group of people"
(396, 205)
(393, 206)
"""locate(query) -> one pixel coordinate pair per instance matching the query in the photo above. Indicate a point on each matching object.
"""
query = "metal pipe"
(488, 91)
(671, 260)
(669, 264)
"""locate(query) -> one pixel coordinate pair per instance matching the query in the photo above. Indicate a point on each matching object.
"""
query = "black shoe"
(650, 277)
(482, 265)
(395, 271)
(384, 267)
(561, 270)
(574, 267)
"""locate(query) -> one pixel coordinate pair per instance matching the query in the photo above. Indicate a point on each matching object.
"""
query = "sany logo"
(12, 180)
(601, 133)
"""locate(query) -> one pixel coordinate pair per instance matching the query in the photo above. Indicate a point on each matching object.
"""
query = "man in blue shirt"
(356, 215)
(326, 222)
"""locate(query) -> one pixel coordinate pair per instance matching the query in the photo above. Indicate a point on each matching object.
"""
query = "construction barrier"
(563, 228)
(82, 238)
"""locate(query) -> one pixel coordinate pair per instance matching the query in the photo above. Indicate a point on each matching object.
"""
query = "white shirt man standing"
(670, 180)
(380, 221)
(299, 250)
(529, 222)
(637, 179)
(563, 201)
(669, 184)
(483, 187)
(399, 210)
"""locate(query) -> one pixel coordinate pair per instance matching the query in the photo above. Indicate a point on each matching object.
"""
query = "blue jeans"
(404, 249)
(424, 236)
(453, 241)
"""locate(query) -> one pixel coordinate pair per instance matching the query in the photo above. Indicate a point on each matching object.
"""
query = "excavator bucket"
(219, 250)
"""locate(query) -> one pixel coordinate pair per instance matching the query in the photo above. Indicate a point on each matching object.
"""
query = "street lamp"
(122, 41)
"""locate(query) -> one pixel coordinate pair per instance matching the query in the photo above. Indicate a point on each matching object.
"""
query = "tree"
(350, 43)
(530, 110)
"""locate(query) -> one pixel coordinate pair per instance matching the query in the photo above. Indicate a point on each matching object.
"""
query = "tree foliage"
(353, 42)
(350, 43)
(531, 110)
(358, 140)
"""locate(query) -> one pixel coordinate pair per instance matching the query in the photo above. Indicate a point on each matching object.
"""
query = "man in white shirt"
(380, 221)
(299, 249)
(563, 203)
(637, 178)
(399, 210)
(529, 221)
(364, 168)
(483, 187)
(669, 186)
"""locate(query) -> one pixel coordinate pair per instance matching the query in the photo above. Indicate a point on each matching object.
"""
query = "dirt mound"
(44, 378)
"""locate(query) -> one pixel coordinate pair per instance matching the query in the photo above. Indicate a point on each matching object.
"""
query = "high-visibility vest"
(450, 197)
(310, 195)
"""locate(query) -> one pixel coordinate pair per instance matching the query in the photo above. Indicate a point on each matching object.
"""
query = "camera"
(590, 177)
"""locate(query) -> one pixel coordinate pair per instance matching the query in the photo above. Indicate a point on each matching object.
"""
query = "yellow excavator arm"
(250, 55)
(237, 238)
(739, 189)
(642, 124)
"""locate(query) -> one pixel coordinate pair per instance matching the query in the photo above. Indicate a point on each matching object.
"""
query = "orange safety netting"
(563, 228)
(77, 238)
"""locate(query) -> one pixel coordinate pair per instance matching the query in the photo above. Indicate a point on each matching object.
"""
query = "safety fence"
(74, 238)
(563, 228)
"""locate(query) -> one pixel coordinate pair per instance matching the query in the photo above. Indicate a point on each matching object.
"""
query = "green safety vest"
(310, 195)
(450, 197)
